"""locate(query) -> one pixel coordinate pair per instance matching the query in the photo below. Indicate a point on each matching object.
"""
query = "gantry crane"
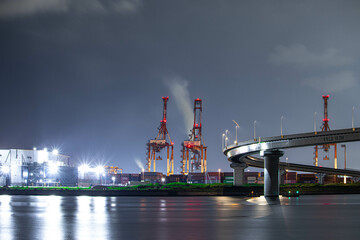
(194, 150)
(325, 127)
(162, 141)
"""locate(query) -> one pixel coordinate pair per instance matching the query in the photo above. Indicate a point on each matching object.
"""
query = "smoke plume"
(139, 163)
(179, 90)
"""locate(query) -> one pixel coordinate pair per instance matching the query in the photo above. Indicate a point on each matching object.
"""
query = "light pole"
(254, 130)
(286, 171)
(226, 133)
(352, 122)
(226, 140)
(281, 126)
(344, 146)
(222, 141)
(143, 175)
(315, 114)
(219, 175)
(236, 127)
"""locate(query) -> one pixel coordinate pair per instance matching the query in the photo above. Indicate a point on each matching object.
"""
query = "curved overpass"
(259, 163)
(240, 154)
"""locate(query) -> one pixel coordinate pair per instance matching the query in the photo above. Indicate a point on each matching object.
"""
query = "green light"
(289, 192)
(297, 191)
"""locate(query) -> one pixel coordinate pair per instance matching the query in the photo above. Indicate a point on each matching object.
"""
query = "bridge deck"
(242, 151)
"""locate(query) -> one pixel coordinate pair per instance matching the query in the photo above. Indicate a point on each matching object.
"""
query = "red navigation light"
(161, 120)
(165, 120)
(198, 99)
(320, 166)
(197, 124)
(172, 143)
(325, 119)
(325, 96)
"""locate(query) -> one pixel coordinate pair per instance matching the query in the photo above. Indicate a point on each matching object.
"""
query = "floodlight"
(53, 168)
(55, 151)
(99, 169)
(5, 169)
(83, 168)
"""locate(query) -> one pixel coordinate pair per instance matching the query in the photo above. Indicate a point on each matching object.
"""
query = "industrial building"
(36, 168)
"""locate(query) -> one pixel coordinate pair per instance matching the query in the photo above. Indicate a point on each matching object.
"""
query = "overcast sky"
(87, 76)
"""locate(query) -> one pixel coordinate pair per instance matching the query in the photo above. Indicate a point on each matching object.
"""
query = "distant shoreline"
(184, 190)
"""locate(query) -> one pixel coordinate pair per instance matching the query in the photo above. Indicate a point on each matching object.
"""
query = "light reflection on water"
(56, 217)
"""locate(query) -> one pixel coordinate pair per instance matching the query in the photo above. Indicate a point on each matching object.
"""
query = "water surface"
(57, 217)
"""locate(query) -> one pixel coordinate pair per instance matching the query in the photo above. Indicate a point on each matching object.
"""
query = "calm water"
(55, 217)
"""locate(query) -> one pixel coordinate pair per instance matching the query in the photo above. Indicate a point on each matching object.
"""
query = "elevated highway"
(270, 148)
(259, 163)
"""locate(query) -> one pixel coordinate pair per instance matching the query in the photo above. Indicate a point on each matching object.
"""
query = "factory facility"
(35, 167)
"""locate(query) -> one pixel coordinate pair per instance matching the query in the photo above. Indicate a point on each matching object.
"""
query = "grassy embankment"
(217, 187)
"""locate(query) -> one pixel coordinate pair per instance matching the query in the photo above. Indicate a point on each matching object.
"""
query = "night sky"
(87, 76)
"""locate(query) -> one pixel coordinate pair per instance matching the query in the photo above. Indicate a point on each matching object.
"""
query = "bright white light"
(53, 168)
(34, 148)
(99, 169)
(84, 168)
(5, 169)
(55, 151)
(43, 156)
(163, 179)
(113, 178)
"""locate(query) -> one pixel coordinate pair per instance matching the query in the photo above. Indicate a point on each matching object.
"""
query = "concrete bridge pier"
(238, 173)
(271, 172)
(320, 177)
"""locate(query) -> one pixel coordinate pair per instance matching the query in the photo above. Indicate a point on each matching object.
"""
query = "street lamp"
(219, 175)
(143, 175)
(222, 141)
(344, 146)
(286, 170)
(315, 114)
(254, 130)
(236, 127)
(352, 122)
(281, 126)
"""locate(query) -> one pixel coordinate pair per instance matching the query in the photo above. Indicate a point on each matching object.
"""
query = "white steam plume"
(139, 163)
(179, 90)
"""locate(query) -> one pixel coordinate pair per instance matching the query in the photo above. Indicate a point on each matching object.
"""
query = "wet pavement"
(57, 217)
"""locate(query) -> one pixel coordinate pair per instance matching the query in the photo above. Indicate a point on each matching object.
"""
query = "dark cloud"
(89, 75)
(20, 8)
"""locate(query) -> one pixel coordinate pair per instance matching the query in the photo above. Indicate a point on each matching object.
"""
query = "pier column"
(283, 173)
(271, 173)
(320, 177)
(238, 173)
